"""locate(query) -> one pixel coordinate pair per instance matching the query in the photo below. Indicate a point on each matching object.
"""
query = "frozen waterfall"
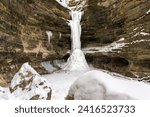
(75, 29)
(77, 60)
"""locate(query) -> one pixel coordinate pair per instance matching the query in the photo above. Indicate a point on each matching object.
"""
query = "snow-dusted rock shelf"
(108, 48)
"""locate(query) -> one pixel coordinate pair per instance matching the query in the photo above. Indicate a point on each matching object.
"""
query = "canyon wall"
(125, 21)
(23, 38)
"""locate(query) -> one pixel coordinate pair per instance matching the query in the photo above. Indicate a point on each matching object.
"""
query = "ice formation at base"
(97, 85)
(76, 61)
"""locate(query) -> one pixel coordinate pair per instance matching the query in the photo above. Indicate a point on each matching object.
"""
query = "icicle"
(60, 35)
(49, 34)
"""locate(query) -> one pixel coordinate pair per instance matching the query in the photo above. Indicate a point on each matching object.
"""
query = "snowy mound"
(4, 92)
(76, 61)
(97, 85)
(28, 84)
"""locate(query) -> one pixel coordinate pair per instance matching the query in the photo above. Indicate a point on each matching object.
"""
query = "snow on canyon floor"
(61, 81)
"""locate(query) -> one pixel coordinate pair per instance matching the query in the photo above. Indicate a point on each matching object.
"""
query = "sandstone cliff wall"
(23, 26)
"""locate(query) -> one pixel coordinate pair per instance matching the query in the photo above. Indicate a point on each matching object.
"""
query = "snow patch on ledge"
(138, 41)
(64, 3)
(78, 7)
(148, 11)
(141, 33)
(108, 48)
(114, 46)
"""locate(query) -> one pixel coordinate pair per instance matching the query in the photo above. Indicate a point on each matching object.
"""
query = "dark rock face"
(106, 21)
(23, 26)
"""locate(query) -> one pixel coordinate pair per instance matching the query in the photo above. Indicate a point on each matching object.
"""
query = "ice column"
(49, 34)
(75, 29)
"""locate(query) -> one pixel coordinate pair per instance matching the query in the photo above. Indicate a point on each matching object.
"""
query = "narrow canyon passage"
(81, 49)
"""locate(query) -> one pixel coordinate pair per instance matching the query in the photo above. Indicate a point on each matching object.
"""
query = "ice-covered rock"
(98, 85)
(27, 84)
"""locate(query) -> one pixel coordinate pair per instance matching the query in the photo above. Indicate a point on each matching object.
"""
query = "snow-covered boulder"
(27, 84)
(98, 85)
